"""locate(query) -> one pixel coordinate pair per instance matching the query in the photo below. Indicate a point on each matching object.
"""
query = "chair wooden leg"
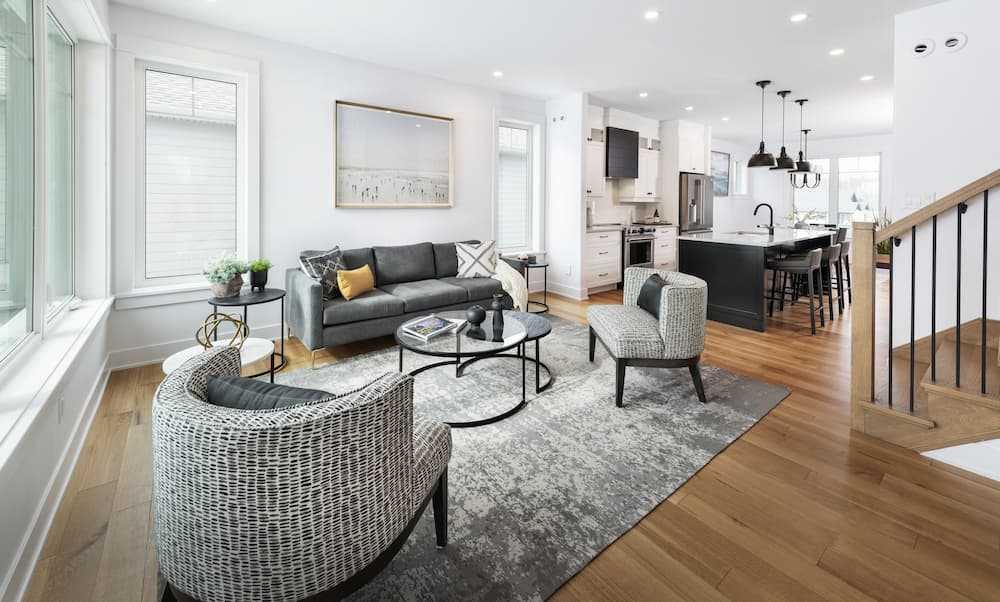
(440, 503)
(698, 386)
(593, 342)
(812, 308)
(619, 381)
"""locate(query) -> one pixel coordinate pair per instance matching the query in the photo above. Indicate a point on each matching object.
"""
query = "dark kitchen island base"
(734, 266)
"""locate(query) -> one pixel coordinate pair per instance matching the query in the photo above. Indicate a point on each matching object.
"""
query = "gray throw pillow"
(322, 266)
(249, 394)
(649, 294)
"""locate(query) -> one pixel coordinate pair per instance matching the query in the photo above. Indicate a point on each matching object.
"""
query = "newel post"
(862, 321)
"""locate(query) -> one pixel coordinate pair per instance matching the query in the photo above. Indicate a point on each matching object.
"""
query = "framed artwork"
(391, 158)
(720, 173)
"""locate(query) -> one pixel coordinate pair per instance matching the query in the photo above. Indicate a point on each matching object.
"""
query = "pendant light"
(802, 166)
(762, 158)
(784, 162)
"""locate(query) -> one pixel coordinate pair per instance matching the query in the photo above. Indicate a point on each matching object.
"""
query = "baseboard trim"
(157, 352)
(33, 543)
(567, 291)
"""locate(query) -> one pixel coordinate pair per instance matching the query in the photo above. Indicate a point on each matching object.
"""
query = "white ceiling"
(703, 53)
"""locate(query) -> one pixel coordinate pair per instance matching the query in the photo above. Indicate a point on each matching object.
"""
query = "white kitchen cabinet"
(594, 170)
(602, 259)
(691, 147)
(649, 174)
(665, 248)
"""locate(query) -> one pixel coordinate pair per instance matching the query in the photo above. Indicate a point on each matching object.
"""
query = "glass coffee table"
(460, 351)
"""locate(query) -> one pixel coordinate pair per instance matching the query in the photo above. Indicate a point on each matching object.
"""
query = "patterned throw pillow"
(476, 260)
(322, 266)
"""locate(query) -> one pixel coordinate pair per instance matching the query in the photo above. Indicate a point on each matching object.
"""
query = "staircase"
(941, 389)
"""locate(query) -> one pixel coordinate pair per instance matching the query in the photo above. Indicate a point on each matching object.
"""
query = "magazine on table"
(428, 327)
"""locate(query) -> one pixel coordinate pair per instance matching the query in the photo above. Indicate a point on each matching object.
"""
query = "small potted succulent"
(882, 249)
(258, 273)
(225, 274)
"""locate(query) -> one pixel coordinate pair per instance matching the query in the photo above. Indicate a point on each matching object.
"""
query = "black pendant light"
(784, 162)
(803, 169)
(762, 158)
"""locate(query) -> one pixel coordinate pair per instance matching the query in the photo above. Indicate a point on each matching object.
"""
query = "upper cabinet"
(649, 174)
(692, 148)
(593, 171)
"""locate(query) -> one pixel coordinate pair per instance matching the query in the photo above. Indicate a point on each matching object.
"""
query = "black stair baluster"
(934, 299)
(962, 207)
(913, 306)
(982, 341)
(892, 245)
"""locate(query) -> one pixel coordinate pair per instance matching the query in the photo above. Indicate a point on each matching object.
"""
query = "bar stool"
(845, 267)
(829, 266)
(798, 266)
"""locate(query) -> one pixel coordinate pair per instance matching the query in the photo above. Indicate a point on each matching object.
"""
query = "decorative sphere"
(475, 315)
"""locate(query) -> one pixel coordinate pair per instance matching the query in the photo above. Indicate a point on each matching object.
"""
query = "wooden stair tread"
(901, 386)
(971, 363)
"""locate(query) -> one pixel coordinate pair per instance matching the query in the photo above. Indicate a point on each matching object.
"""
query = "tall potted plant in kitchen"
(225, 275)
(258, 274)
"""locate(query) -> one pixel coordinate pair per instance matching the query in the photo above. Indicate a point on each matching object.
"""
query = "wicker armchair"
(635, 337)
(291, 503)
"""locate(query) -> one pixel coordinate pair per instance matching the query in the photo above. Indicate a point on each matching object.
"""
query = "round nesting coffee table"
(458, 347)
(537, 328)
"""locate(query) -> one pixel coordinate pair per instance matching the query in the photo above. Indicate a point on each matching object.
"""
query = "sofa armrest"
(305, 308)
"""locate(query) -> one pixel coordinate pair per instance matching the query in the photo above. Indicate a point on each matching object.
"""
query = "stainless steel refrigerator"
(695, 203)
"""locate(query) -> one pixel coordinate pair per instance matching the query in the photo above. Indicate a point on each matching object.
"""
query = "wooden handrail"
(920, 216)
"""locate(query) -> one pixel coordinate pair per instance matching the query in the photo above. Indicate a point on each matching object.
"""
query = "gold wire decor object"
(209, 330)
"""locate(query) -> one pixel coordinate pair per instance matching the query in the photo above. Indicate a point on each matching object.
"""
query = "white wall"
(945, 136)
(298, 89)
(566, 119)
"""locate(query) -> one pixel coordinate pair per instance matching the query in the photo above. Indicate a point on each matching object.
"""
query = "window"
(59, 181)
(190, 197)
(813, 204)
(849, 190)
(858, 188)
(514, 187)
(17, 188)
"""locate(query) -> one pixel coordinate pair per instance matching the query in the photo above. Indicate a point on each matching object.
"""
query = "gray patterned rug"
(535, 497)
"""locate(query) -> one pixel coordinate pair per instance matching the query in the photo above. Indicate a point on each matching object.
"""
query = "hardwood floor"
(799, 508)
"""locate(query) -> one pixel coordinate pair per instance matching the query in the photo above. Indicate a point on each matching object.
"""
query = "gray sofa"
(410, 281)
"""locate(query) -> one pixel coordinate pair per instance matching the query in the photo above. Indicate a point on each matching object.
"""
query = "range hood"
(621, 153)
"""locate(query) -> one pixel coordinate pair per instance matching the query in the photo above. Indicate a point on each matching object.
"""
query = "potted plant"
(882, 248)
(258, 273)
(225, 274)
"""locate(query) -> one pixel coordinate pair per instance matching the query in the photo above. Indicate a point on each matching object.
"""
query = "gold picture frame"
(386, 158)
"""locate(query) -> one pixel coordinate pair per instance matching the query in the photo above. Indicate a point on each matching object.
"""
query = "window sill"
(162, 295)
(40, 366)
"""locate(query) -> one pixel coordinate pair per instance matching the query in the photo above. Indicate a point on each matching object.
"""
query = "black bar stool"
(845, 269)
(798, 266)
(830, 266)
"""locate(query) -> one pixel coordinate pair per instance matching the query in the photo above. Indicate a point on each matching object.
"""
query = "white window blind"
(514, 188)
(191, 212)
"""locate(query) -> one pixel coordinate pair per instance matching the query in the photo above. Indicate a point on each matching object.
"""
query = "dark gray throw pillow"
(649, 294)
(322, 266)
(249, 394)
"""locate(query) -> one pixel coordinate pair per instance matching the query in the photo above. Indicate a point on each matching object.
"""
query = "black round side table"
(544, 303)
(252, 297)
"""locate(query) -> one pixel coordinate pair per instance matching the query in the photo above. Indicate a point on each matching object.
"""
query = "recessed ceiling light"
(725, 119)
(867, 78)
(643, 94)
(651, 14)
(837, 52)
(798, 17)
(689, 108)
(497, 74)
(417, 124)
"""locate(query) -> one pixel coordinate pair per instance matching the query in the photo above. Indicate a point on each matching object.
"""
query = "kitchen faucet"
(770, 226)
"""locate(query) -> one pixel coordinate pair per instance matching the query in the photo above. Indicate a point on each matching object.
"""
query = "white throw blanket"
(513, 283)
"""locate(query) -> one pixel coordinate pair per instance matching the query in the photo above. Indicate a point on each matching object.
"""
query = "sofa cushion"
(426, 294)
(446, 258)
(475, 260)
(355, 258)
(407, 263)
(322, 266)
(477, 288)
(249, 394)
(367, 306)
(354, 283)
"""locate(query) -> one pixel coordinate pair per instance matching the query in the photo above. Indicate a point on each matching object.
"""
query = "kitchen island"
(733, 265)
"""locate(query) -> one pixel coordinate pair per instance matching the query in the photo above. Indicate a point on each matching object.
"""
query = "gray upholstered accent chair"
(310, 500)
(634, 337)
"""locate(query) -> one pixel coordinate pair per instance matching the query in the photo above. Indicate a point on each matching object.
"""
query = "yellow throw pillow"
(355, 282)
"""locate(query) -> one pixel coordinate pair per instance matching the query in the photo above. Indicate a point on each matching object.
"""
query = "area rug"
(535, 497)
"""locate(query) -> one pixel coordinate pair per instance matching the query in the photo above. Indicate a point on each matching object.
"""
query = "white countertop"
(606, 228)
(758, 238)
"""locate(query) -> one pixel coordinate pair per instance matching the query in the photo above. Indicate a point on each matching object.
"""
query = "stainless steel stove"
(639, 242)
